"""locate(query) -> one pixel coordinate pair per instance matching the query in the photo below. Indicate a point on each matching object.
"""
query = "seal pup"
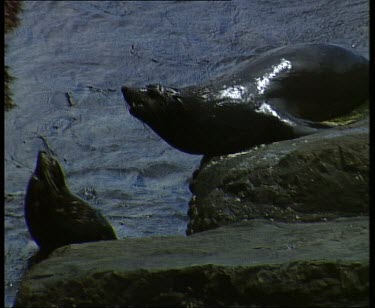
(54, 216)
(281, 94)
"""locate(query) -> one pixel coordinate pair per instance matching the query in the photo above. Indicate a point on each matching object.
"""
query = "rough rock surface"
(11, 20)
(315, 178)
(254, 263)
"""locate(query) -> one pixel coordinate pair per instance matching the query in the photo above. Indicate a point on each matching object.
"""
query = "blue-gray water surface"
(70, 59)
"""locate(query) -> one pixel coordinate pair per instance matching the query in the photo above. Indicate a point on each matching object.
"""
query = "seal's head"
(48, 170)
(173, 114)
(145, 103)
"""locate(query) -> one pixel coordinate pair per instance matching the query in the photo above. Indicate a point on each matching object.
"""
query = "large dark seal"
(54, 216)
(281, 94)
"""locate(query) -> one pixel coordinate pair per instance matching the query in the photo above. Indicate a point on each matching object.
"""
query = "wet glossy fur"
(281, 94)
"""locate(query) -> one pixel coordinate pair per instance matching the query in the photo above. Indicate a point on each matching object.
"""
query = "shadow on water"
(70, 59)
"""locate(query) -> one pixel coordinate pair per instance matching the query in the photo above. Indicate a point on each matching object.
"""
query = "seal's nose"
(135, 98)
(129, 93)
(124, 90)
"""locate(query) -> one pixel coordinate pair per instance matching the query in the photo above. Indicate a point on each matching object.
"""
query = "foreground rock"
(314, 178)
(258, 263)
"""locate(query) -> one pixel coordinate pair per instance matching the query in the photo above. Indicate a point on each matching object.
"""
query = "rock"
(11, 20)
(11, 11)
(314, 178)
(254, 263)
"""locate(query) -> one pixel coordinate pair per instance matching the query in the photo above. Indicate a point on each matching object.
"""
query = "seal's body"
(54, 216)
(281, 94)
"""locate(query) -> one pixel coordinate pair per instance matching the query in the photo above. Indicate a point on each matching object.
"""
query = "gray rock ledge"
(254, 263)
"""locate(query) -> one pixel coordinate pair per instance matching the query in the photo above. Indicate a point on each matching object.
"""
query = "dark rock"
(11, 11)
(11, 20)
(254, 263)
(314, 178)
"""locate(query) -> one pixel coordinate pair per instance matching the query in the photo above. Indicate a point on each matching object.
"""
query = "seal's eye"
(172, 91)
(154, 90)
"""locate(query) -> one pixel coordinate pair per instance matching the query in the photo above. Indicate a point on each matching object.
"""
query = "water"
(89, 49)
